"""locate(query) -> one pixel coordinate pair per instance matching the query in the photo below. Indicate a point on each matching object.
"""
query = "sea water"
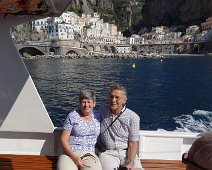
(172, 93)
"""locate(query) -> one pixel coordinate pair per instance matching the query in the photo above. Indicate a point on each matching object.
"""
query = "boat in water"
(25, 125)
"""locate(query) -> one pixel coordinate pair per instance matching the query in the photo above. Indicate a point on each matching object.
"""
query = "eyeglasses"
(117, 98)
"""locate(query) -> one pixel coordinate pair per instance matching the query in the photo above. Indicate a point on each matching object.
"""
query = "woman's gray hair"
(87, 94)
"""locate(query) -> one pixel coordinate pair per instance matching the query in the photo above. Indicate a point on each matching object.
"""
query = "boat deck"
(26, 162)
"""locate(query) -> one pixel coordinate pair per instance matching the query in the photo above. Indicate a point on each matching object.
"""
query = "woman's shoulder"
(73, 114)
(71, 118)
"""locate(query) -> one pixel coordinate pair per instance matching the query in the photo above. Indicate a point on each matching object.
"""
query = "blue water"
(173, 94)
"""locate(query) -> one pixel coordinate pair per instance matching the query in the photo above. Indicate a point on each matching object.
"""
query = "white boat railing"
(164, 144)
(152, 144)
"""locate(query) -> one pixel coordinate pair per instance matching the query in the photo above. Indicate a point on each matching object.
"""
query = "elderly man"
(119, 134)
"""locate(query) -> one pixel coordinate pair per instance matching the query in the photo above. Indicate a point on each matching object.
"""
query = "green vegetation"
(136, 11)
(71, 8)
(86, 26)
(124, 9)
(106, 14)
(125, 13)
(122, 12)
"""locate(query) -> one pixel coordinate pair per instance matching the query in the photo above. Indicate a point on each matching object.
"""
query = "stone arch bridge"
(48, 48)
(64, 47)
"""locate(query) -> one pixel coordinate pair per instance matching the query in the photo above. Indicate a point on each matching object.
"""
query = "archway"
(134, 49)
(30, 51)
(90, 48)
(113, 49)
(52, 51)
(98, 48)
(72, 53)
(105, 49)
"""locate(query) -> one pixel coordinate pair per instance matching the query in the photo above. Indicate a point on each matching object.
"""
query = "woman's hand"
(68, 150)
(78, 161)
(129, 166)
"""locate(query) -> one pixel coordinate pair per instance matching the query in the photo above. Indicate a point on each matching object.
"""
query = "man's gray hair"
(118, 87)
(87, 94)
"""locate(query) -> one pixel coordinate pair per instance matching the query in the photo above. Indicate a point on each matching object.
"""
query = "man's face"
(117, 100)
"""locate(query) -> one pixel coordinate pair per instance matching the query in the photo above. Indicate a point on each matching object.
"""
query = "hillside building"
(86, 28)
(207, 24)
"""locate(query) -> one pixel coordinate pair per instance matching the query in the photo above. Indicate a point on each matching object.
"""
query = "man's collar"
(122, 110)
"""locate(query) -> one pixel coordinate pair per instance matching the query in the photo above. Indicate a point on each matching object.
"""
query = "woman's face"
(86, 106)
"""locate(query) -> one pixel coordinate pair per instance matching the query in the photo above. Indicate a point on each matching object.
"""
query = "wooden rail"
(163, 164)
(29, 162)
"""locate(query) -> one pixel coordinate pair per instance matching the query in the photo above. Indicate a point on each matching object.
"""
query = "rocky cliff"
(151, 12)
(118, 11)
(175, 12)
(134, 16)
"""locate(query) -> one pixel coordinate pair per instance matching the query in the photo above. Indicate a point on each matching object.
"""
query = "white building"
(65, 27)
(123, 49)
(135, 39)
(40, 24)
(191, 30)
(69, 26)
(207, 25)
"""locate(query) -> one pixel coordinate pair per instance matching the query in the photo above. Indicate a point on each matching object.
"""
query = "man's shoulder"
(131, 113)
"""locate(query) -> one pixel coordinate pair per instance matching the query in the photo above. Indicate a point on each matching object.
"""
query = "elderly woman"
(79, 136)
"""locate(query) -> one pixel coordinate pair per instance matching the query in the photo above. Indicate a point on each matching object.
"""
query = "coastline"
(114, 56)
(186, 55)
(94, 56)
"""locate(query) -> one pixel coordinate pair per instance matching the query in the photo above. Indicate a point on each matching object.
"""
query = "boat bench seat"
(27, 162)
(31, 162)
